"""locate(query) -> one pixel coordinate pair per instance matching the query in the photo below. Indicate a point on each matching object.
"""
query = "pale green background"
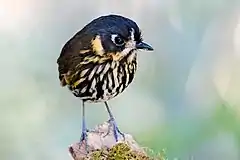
(185, 97)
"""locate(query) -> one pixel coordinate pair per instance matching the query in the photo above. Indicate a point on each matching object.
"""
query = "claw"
(117, 133)
(83, 136)
(83, 141)
(112, 122)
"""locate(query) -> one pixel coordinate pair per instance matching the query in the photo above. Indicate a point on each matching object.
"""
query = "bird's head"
(115, 36)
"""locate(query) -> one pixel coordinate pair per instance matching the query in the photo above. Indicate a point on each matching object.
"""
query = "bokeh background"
(185, 97)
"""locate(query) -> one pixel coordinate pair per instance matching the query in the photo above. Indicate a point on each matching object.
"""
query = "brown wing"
(72, 54)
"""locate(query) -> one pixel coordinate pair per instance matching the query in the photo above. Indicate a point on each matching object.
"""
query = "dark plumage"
(99, 61)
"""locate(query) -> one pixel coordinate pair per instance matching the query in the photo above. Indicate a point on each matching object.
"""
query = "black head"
(115, 34)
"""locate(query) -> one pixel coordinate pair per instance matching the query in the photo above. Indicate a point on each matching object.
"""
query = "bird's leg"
(84, 129)
(112, 121)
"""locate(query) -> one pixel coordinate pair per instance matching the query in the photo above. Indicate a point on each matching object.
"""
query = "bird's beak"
(144, 46)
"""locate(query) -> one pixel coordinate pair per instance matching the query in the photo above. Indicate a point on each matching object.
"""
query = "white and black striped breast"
(104, 81)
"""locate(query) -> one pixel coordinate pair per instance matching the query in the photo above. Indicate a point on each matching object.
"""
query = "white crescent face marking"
(132, 34)
(113, 37)
(130, 45)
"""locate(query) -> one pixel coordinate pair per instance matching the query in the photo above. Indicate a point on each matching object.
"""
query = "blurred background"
(185, 97)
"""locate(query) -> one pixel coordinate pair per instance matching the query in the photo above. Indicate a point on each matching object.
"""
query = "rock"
(101, 142)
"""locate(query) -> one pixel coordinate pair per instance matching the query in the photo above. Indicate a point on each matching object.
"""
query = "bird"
(99, 62)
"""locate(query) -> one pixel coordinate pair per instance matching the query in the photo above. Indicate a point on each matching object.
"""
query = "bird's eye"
(117, 40)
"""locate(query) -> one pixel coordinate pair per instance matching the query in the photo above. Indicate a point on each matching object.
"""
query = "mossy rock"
(120, 151)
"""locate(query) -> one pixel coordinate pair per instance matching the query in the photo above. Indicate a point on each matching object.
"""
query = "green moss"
(121, 151)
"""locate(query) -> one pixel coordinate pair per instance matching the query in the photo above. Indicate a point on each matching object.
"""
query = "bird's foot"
(83, 136)
(116, 132)
(83, 141)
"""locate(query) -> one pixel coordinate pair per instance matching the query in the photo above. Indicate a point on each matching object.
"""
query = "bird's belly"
(106, 85)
